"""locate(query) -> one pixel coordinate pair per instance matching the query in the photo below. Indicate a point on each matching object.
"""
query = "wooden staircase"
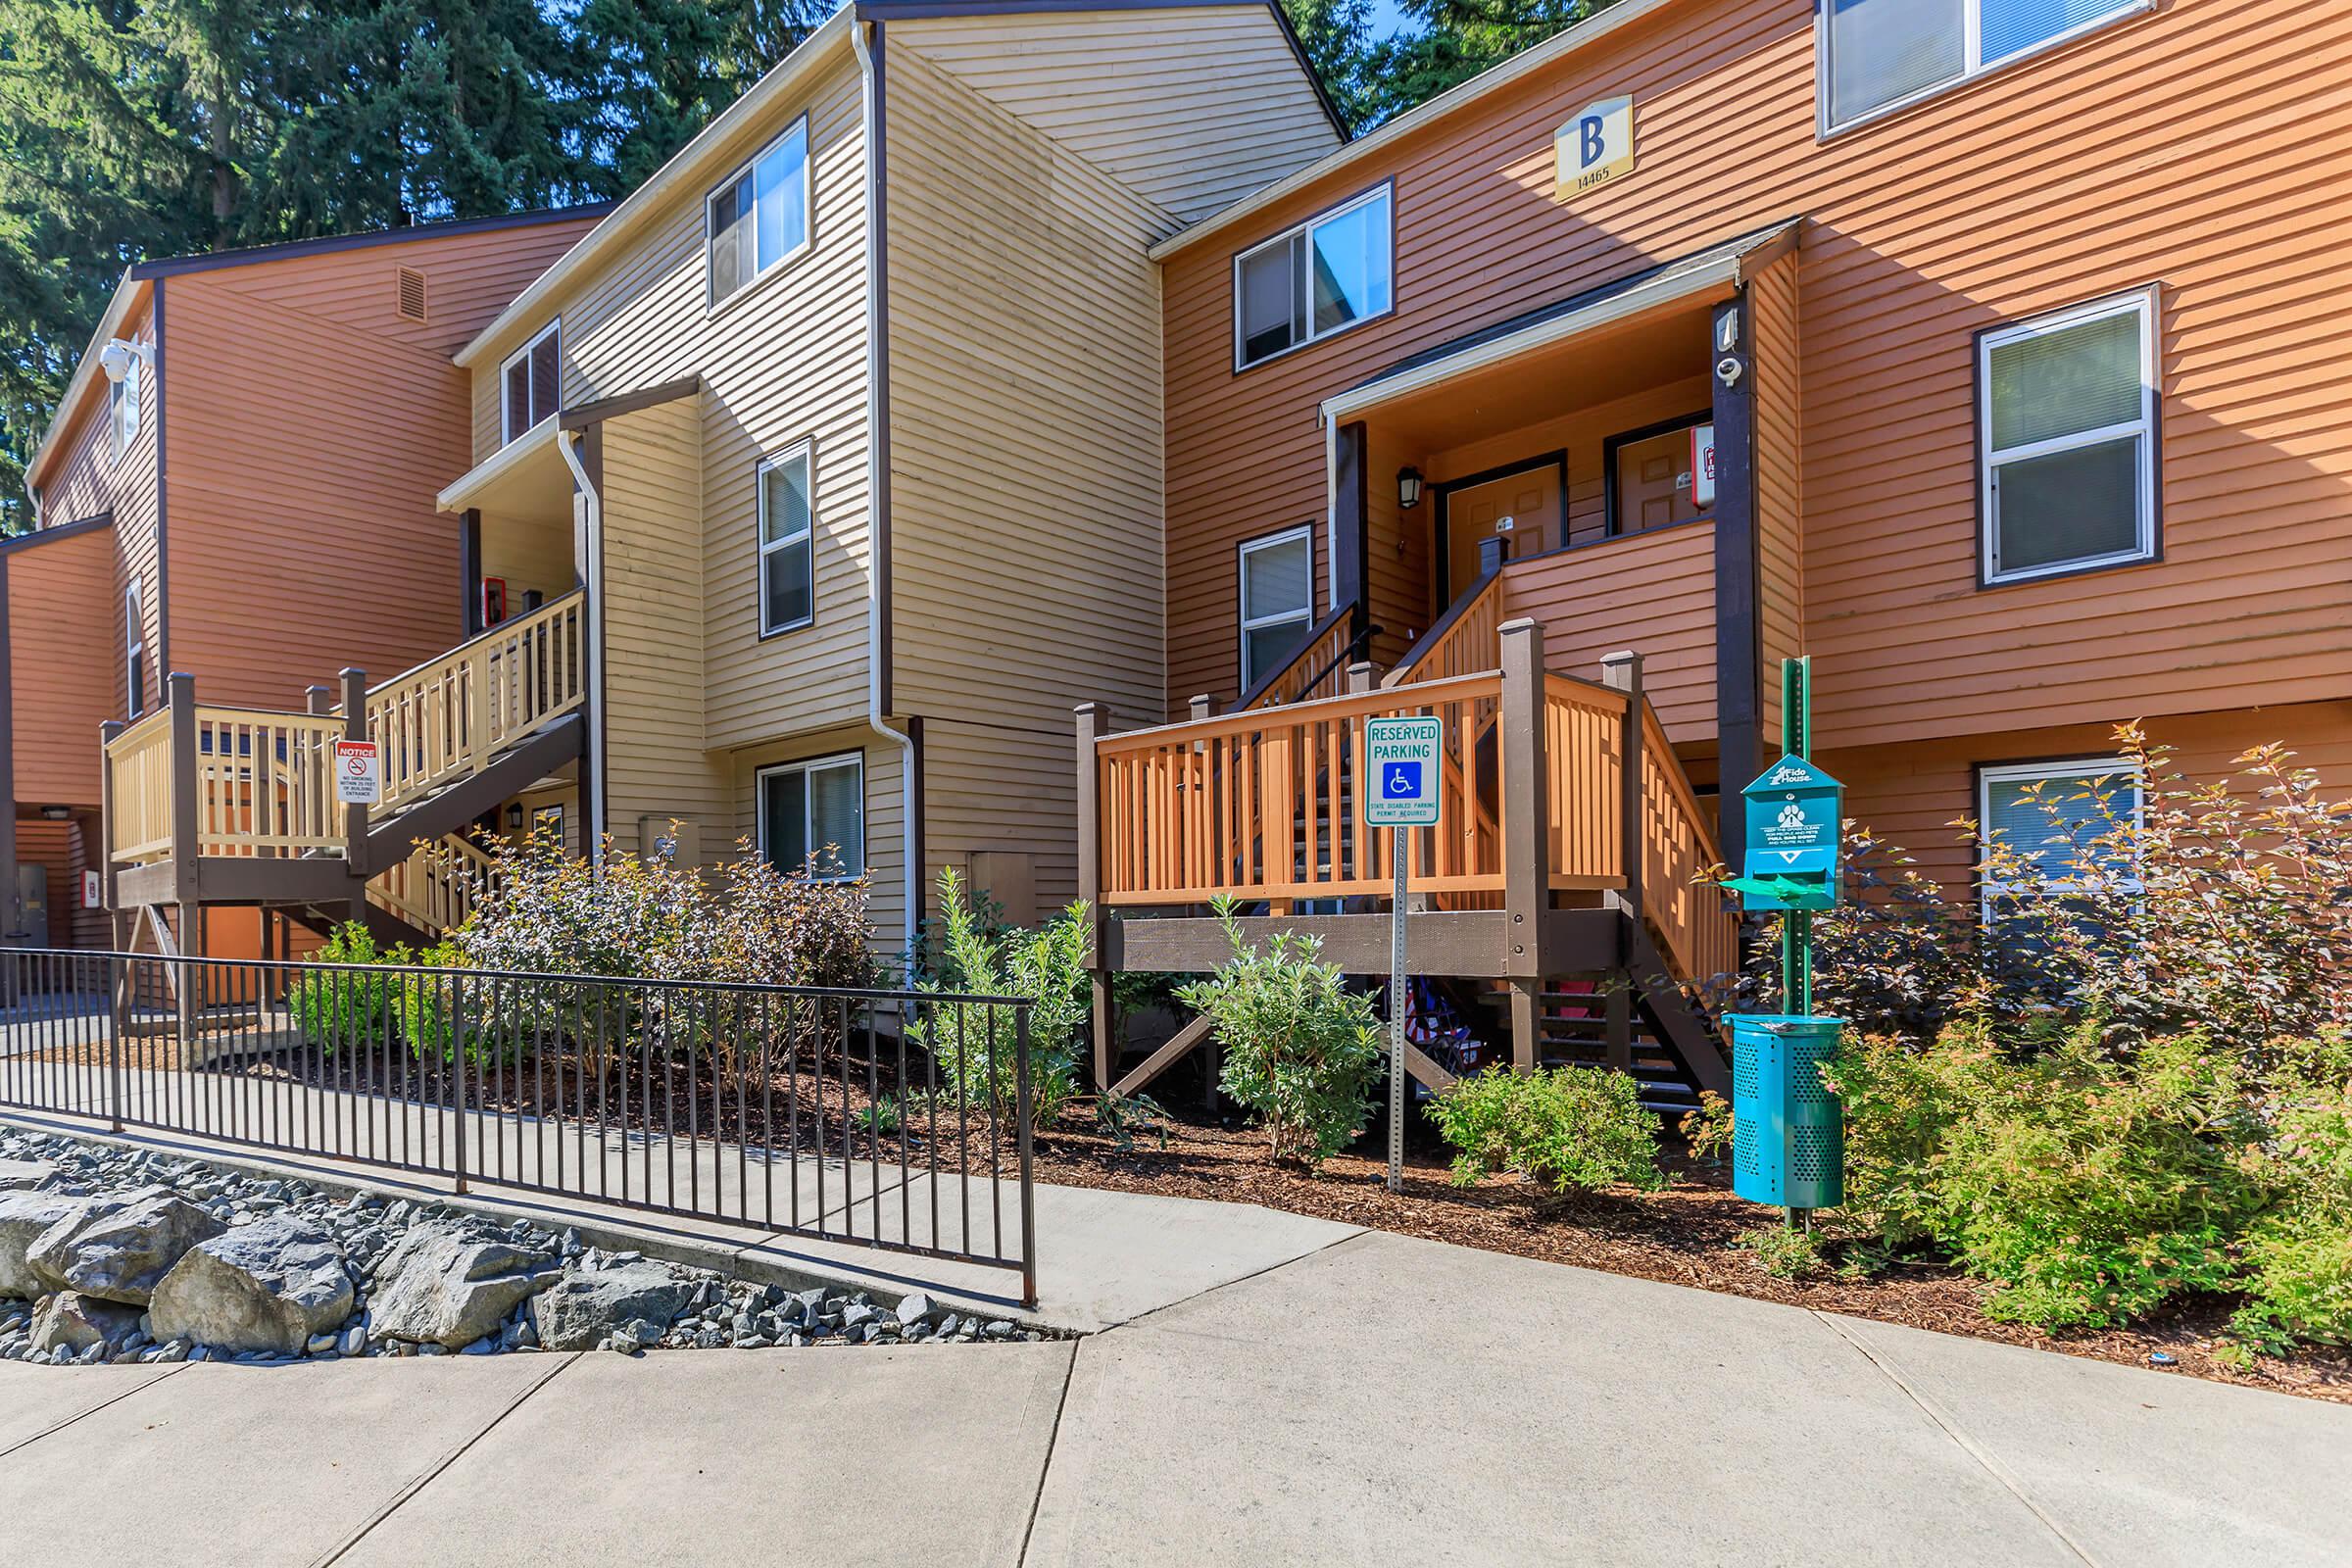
(208, 805)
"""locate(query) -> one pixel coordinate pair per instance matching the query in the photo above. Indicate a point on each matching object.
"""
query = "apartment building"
(237, 484)
(1979, 349)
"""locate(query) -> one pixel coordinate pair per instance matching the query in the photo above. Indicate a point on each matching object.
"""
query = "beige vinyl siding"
(657, 765)
(1025, 461)
(1191, 108)
(885, 818)
(781, 361)
(1772, 303)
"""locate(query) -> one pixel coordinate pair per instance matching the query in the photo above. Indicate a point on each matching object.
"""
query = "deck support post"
(1622, 671)
(1526, 833)
(187, 843)
(1363, 677)
(355, 816)
(1094, 723)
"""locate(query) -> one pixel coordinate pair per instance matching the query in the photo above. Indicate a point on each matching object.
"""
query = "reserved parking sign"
(1401, 759)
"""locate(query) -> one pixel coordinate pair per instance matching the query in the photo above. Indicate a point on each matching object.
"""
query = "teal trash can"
(1788, 1131)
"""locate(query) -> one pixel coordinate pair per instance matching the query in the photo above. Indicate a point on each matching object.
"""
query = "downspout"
(877, 471)
(592, 679)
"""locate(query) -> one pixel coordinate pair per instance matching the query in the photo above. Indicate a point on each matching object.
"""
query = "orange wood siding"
(310, 428)
(1779, 490)
(63, 622)
(2087, 170)
(1649, 592)
(1911, 794)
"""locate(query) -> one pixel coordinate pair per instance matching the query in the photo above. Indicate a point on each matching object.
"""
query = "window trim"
(1972, 24)
(2068, 767)
(2148, 540)
(804, 450)
(135, 646)
(1609, 447)
(712, 303)
(552, 329)
(1386, 188)
(811, 765)
(122, 395)
(1244, 625)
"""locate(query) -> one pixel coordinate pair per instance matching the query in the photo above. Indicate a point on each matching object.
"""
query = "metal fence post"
(457, 1047)
(114, 1049)
(1020, 1058)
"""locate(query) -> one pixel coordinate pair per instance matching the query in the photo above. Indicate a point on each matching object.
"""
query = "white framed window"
(812, 818)
(134, 650)
(757, 219)
(530, 382)
(1277, 600)
(1324, 276)
(1873, 57)
(123, 411)
(2067, 433)
(2049, 813)
(786, 486)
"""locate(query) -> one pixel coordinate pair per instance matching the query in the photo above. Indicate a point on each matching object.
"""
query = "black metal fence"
(894, 1118)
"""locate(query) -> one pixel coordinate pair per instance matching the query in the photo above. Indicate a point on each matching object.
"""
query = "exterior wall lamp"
(1408, 488)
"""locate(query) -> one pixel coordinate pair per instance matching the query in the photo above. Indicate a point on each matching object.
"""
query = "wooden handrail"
(435, 888)
(1466, 638)
(459, 650)
(1699, 932)
(1316, 668)
(445, 718)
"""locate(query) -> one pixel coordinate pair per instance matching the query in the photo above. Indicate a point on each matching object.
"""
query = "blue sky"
(1385, 17)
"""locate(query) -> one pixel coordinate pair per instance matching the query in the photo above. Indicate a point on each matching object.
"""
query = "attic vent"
(411, 294)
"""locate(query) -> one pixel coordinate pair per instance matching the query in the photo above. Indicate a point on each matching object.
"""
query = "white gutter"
(592, 577)
(686, 166)
(1589, 31)
(877, 481)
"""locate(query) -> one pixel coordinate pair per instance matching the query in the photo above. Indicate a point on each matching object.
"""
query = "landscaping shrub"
(2087, 1187)
(1570, 1127)
(1300, 1049)
(334, 1009)
(2298, 1251)
(1047, 967)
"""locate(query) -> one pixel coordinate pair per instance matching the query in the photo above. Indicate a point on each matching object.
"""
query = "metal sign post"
(1400, 758)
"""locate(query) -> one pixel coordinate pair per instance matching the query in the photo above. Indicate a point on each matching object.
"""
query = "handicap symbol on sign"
(1401, 779)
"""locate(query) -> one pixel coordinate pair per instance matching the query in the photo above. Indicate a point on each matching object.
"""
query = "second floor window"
(134, 650)
(530, 381)
(1321, 278)
(1878, 53)
(787, 570)
(2068, 432)
(1278, 600)
(760, 216)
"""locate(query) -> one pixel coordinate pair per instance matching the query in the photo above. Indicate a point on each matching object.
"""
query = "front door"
(1522, 507)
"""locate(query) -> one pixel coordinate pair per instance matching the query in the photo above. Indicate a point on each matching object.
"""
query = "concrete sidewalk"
(1382, 1400)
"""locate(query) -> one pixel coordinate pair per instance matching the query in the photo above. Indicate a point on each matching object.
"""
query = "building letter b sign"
(1594, 148)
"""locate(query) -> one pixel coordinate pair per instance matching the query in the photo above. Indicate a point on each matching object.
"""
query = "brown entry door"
(1522, 508)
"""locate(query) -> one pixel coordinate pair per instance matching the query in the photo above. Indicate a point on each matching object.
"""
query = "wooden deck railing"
(265, 783)
(1463, 642)
(444, 718)
(1263, 804)
(436, 887)
(1701, 932)
(1320, 668)
(138, 784)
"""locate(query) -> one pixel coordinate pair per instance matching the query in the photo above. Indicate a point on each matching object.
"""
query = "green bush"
(1047, 967)
(335, 1008)
(2087, 1187)
(1569, 1127)
(1300, 1049)
(2298, 1251)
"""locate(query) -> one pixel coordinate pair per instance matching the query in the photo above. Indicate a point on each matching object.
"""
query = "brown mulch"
(1685, 1235)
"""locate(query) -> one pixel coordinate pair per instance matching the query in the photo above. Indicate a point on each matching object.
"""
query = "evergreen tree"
(659, 71)
(1453, 40)
(1337, 37)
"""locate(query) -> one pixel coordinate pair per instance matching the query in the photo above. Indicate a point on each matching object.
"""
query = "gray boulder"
(25, 1175)
(23, 1217)
(76, 1322)
(443, 1288)
(272, 1285)
(580, 1309)
(120, 1251)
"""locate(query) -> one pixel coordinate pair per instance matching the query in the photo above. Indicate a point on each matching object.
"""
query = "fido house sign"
(359, 773)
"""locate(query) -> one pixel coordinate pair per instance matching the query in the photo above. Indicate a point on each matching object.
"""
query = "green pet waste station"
(1788, 1131)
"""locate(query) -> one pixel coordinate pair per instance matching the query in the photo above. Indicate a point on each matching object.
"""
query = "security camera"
(118, 358)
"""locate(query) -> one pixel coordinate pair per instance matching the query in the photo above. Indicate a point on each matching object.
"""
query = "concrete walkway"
(1378, 1400)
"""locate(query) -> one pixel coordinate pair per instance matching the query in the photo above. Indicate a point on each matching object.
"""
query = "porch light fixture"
(514, 817)
(1408, 488)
